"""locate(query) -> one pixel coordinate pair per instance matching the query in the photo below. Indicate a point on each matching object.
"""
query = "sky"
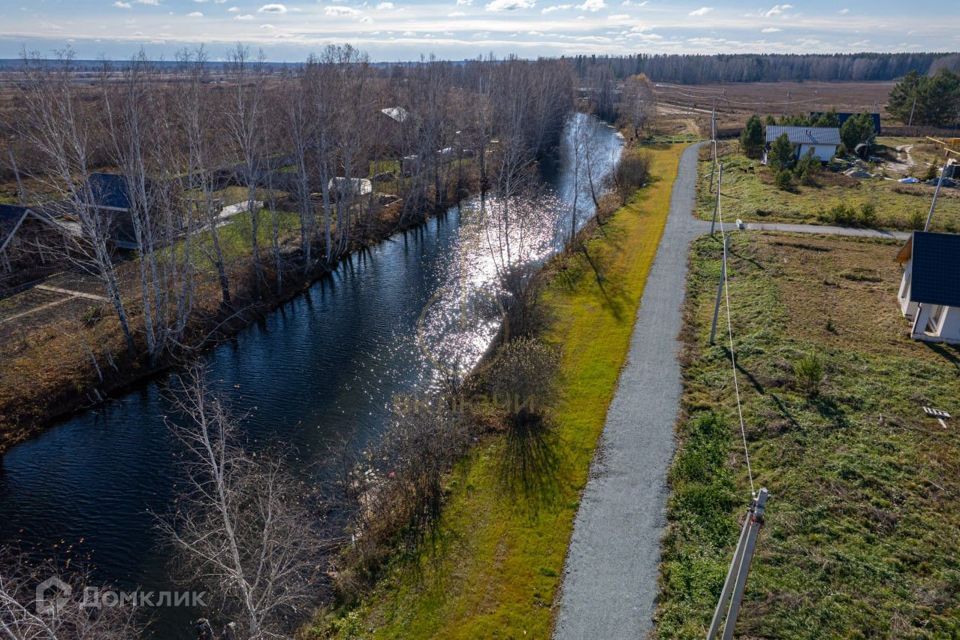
(392, 30)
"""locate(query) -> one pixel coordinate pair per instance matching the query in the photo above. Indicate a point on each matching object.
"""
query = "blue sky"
(456, 29)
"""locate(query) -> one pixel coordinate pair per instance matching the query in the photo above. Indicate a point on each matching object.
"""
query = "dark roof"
(109, 190)
(844, 116)
(935, 276)
(805, 135)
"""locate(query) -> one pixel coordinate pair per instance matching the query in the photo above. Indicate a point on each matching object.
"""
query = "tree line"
(310, 140)
(700, 69)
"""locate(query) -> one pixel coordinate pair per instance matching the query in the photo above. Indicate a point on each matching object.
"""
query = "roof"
(935, 277)
(843, 116)
(395, 113)
(109, 190)
(805, 135)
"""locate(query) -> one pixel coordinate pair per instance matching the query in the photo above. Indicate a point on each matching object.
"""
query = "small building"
(929, 293)
(822, 141)
(397, 114)
(342, 186)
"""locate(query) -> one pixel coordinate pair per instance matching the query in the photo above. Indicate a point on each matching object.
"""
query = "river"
(319, 371)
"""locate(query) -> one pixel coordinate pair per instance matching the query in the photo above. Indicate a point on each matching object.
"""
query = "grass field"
(863, 525)
(749, 193)
(495, 570)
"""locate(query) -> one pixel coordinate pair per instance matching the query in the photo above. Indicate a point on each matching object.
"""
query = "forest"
(700, 69)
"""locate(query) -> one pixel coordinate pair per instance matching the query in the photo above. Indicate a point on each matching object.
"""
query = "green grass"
(863, 525)
(496, 567)
(750, 194)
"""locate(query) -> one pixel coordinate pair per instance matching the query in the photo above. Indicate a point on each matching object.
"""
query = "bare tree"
(243, 528)
(197, 121)
(41, 602)
(638, 103)
(56, 124)
(244, 120)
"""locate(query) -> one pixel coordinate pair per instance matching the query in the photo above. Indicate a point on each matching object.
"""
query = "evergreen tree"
(857, 129)
(752, 137)
(781, 153)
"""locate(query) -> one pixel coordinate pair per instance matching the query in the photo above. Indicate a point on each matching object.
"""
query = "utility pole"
(723, 280)
(936, 192)
(913, 108)
(713, 138)
(716, 205)
(733, 586)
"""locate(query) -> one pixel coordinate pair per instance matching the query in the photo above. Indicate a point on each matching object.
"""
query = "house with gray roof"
(929, 293)
(822, 141)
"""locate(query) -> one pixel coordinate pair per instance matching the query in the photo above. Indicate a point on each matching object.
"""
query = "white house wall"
(823, 152)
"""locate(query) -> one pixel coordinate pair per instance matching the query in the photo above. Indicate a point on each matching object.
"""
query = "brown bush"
(632, 173)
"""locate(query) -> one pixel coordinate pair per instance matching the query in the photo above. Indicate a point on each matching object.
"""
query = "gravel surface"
(610, 578)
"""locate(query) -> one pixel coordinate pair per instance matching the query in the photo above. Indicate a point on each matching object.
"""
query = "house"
(844, 116)
(112, 199)
(929, 293)
(821, 140)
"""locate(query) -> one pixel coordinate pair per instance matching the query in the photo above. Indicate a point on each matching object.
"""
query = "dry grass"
(862, 528)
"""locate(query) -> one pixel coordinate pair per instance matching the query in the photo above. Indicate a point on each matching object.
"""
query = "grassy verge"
(861, 535)
(496, 563)
(749, 193)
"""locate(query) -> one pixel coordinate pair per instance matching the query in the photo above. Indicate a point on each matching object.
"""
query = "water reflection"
(320, 370)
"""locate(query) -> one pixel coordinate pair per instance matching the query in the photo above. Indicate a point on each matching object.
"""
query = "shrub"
(808, 169)
(868, 214)
(781, 153)
(784, 180)
(917, 219)
(842, 215)
(808, 372)
(632, 173)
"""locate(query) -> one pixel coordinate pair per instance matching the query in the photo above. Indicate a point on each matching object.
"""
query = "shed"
(929, 292)
(823, 141)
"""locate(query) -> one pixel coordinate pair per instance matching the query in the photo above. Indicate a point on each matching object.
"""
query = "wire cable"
(733, 357)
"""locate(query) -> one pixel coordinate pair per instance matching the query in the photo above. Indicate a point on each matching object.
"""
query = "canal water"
(318, 372)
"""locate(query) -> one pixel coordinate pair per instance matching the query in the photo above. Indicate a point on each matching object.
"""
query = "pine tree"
(752, 137)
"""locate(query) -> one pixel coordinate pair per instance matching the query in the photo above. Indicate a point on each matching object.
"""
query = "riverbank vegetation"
(492, 561)
(751, 193)
(861, 527)
(127, 177)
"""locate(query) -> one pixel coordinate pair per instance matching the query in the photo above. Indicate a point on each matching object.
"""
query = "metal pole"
(936, 192)
(713, 138)
(716, 205)
(736, 581)
(723, 279)
(728, 583)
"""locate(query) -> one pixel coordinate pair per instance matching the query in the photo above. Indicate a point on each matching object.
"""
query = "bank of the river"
(496, 566)
(54, 370)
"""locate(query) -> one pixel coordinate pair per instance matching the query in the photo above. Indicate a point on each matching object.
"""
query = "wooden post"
(735, 584)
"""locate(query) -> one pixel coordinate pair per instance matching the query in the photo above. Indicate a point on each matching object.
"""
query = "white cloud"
(152, 3)
(511, 5)
(385, 6)
(592, 5)
(557, 7)
(778, 9)
(272, 8)
(245, 17)
(199, 1)
(119, 4)
(618, 16)
(267, 26)
(702, 11)
(464, 3)
(770, 30)
(341, 11)
(195, 14)
(843, 12)
(233, 10)
(455, 14)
